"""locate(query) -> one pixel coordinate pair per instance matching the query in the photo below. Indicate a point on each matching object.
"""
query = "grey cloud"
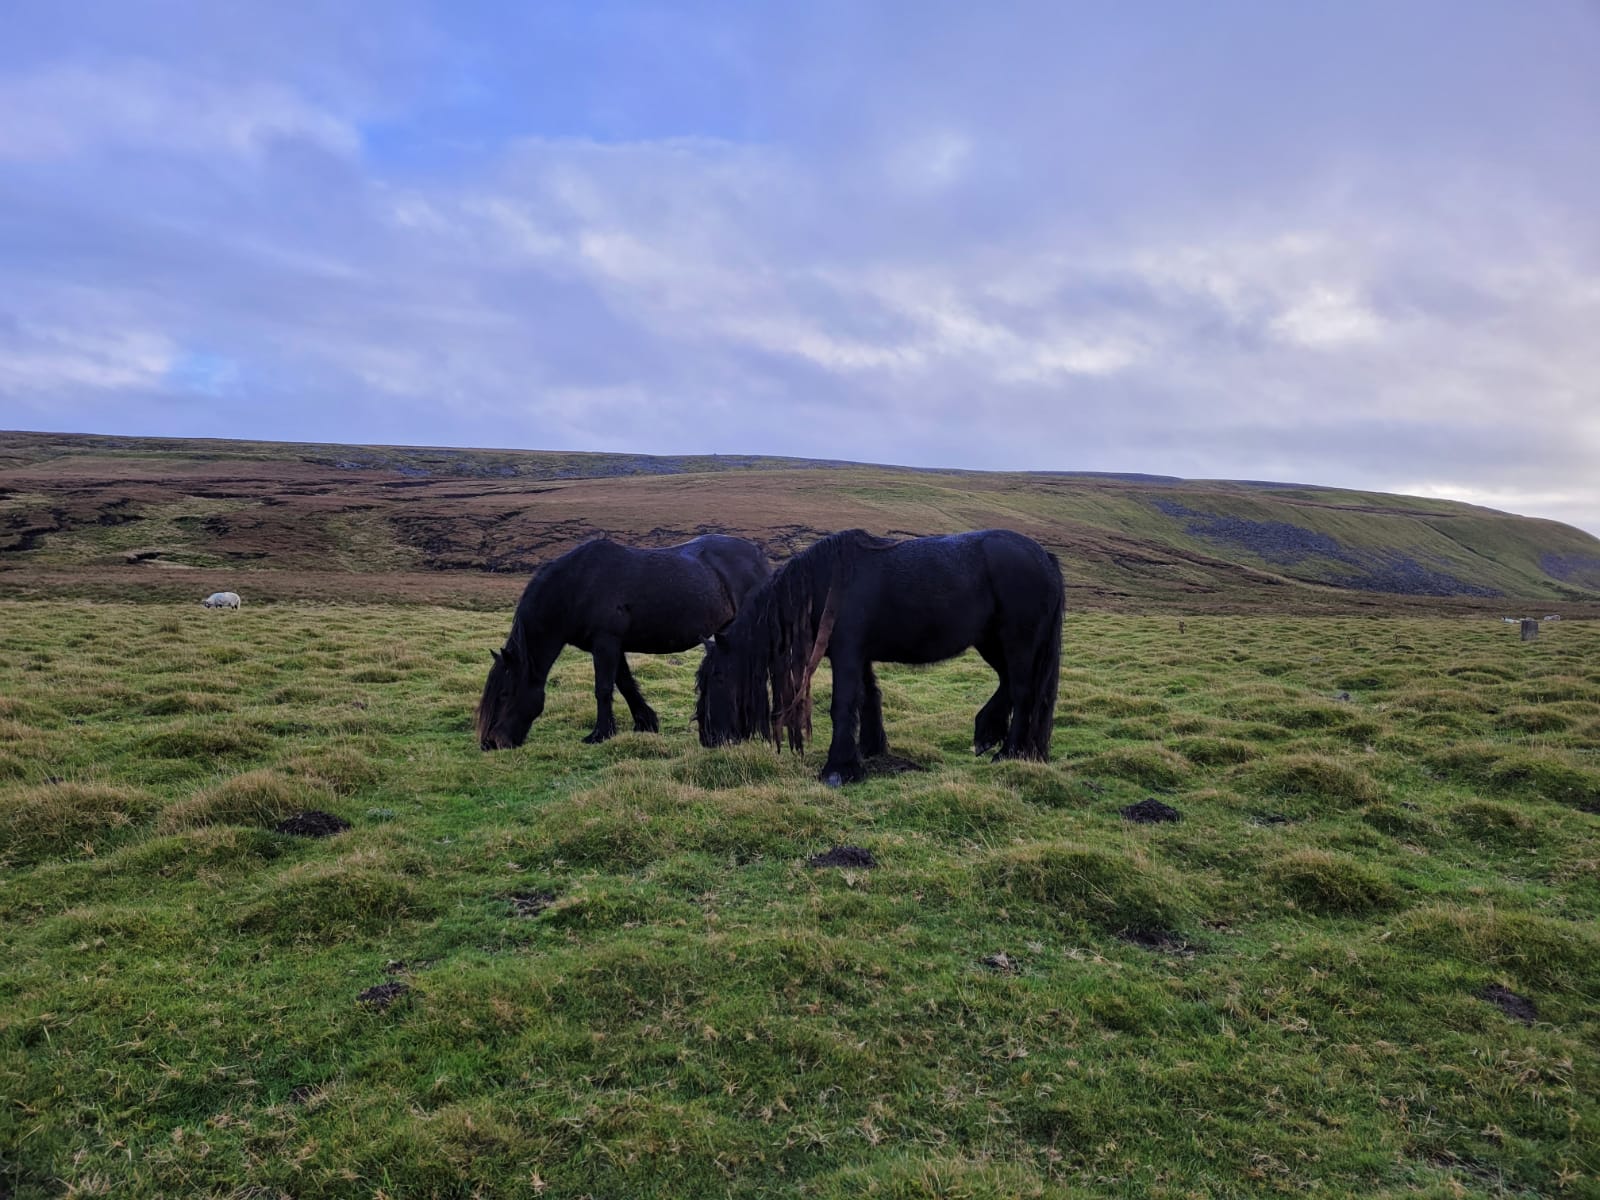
(1065, 244)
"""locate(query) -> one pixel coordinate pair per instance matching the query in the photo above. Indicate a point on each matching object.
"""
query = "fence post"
(1530, 629)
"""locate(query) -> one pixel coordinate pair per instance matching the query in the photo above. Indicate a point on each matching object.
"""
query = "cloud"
(1075, 241)
(67, 110)
(47, 362)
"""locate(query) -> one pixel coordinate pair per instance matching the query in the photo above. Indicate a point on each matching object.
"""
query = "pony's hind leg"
(1032, 679)
(607, 654)
(874, 741)
(989, 727)
(644, 717)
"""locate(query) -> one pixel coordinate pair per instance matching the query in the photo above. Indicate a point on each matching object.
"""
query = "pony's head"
(511, 700)
(730, 693)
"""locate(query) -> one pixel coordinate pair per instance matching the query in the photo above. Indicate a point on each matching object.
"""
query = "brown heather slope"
(169, 520)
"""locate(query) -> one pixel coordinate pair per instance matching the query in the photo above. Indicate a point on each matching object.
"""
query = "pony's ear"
(722, 642)
(707, 645)
(495, 654)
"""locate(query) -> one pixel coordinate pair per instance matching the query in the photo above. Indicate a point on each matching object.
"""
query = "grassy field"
(1364, 962)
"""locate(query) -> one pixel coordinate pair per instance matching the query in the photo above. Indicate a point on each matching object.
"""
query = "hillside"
(169, 519)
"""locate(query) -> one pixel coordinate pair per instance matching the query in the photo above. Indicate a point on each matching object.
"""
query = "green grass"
(622, 979)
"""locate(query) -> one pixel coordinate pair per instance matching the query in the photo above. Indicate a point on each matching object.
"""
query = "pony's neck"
(536, 648)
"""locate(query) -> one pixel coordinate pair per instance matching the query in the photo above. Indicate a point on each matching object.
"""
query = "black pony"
(609, 599)
(857, 599)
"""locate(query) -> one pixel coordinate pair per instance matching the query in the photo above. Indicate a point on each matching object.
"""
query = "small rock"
(1271, 818)
(1150, 812)
(1002, 962)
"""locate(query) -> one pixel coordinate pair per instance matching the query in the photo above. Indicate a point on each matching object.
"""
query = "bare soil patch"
(1518, 1008)
(1161, 940)
(312, 823)
(1150, 812)
(384, 994)
(530, 904)
(843, 856)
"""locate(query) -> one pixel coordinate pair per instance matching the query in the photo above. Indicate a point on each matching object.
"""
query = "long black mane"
(783, 632)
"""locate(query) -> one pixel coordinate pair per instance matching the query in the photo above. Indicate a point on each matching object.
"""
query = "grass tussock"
(359, 894)
(177, 704)
(1491, 821)
(956, 809)
(206, 740)
(1044, 784)
(1217, 751)
(910, 1176)
(1547, 774)
(1315, 779)
(95, 926)
(212, 848)
(1109, 891)
(254, 798)
(769, 822)
(1542, 952)
(1530, 718)
(1147, 766)
(1552, 688)
(1440, 700)
(599, 829)
(729, 766)
(67, 818)
(1398, 822)
(344, 769)
(1332, 884)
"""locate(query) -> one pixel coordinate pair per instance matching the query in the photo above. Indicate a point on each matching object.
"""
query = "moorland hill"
(161, 518)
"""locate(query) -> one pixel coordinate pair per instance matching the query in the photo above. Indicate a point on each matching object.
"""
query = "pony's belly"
(660, 644)
(916, 646)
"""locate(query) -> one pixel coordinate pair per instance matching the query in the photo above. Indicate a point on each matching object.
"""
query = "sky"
(1351, 244)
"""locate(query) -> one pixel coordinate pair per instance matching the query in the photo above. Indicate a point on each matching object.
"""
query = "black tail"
(1045, 674)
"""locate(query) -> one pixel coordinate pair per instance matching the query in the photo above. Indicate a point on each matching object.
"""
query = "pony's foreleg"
(607, 654)
(844, 755)
(644, 717)
(874, 741)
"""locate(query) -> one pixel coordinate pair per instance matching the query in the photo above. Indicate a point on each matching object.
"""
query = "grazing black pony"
(857, 599)
(609, 599)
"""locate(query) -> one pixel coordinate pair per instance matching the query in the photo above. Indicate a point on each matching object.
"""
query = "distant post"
(1530, 629)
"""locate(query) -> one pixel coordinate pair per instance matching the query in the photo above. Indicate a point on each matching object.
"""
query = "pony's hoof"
(833, 779)
(649, 725)
(598, 736)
